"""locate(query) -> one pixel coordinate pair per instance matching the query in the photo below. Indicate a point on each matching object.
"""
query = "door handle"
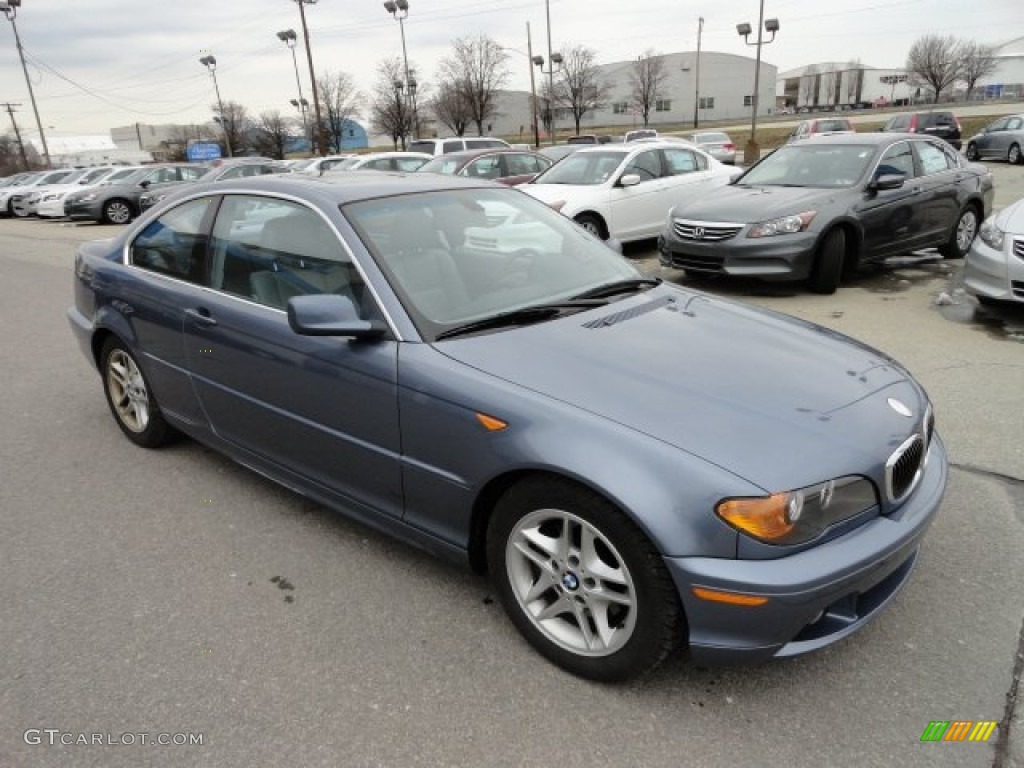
(915, 190)
(200, 316)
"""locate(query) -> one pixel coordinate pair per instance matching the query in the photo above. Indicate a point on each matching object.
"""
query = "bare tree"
(976, 61)
(234, 122)
(647, 82)
(271, 133)
(339, 102)
(934, 62)
(450, 108)
(580, 86)
(477, 68)
(852, 78)
(809, 85)
(546, 107)
(390, 112)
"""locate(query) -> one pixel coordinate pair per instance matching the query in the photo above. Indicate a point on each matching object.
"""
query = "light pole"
(10, 9)
(211, 64)
(696, 78)
(399, 9)
(752, 153)
(555, 59)
(533, 86)
(319, 128)
(400, 123)
(289, 38)
(302, 105)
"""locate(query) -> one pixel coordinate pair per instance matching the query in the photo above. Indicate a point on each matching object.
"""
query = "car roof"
(870, 139)
(469, 154)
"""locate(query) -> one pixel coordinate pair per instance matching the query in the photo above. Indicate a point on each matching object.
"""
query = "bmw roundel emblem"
(899, 407)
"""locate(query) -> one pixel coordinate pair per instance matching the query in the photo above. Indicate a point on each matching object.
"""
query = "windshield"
(461, 256)
(347, 164)
(811, 165)
(94, 176)
(711, 138)
(585, 168)
(442, 164)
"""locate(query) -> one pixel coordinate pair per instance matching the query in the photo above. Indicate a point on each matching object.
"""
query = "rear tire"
(130, 398)
(962, 236)
(972, 152)
(828, 263)
(117, 211)
(1014, 157)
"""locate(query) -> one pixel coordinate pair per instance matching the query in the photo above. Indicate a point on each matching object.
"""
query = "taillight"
(729, 147)
(958, 128)
(913, 124)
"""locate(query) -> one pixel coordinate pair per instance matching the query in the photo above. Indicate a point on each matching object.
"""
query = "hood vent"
(628, 314)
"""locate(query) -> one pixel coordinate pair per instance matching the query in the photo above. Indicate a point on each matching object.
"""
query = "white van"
(456, 144)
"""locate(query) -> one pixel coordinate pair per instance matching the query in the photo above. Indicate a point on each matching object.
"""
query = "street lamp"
(752, 153)
(533, 87)
(10, 10)
(321, 142)
(289, 38)
(399, 9)
(554, 66)
(211, 64)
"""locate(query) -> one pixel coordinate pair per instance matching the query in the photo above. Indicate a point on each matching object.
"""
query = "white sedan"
(994, 268)
(625, 192)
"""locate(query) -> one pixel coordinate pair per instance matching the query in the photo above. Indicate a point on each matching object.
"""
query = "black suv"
(941, 125)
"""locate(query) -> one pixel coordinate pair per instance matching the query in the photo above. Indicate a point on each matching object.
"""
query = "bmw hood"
(778, 401)
(750, 204)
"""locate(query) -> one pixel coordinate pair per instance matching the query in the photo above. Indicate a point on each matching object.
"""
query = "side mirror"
(145, 183)
(629, 180)
(888, 181)
(330, 315)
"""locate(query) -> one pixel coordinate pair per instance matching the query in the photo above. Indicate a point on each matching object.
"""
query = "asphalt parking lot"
(175, 592)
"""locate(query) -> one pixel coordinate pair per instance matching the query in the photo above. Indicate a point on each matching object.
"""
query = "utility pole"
(533, 88)
(320, 143)
(696, 95)
(10, 8)
(14, 123)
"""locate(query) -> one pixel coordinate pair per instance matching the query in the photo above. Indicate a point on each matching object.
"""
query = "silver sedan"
(716, 144)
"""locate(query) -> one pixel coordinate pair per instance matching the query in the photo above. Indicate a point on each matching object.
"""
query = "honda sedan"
(641, 468)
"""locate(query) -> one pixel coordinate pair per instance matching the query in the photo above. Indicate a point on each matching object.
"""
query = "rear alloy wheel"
(828, 263)
(582, 584)
(1013, 157)
(962, 236)
(117, 212)
(592, 224)
(134, 408)
(972, 152)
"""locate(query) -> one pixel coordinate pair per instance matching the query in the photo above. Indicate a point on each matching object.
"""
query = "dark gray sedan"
(818, 208)
(1002, 139)
(641, 468)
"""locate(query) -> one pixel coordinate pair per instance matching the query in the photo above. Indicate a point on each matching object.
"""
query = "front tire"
(1013, 156)
(592, 224)
(581, 582)
(972, 153)
(828, 263)
(962, 236)
(117, 212)
(130, 399)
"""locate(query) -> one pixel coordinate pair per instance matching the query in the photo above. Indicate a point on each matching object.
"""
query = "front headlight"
(991, 235)
(784, 225)
(88, 197)
(796, 517)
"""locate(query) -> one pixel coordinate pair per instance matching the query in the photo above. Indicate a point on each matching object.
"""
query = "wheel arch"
(601, 220)
(854, 241)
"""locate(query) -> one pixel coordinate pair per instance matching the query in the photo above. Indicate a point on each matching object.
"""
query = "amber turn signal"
(732, 598)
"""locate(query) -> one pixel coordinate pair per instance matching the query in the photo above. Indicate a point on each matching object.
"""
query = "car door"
(324, 409)
(989, 142)
(639, 210)
(940, 176)
(165, 273)
(892, 219)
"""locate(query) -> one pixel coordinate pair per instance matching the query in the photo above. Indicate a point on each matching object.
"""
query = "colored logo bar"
(959, 730)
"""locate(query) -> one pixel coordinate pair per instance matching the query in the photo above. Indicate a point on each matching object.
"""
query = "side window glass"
(452, 146)
(191, 174)
(408, 164)
(897, 159)
(1014, 124)
(646, 165)
(680, 161)
(485, 168)
(268, 250)
(174, 244)
(933, 159)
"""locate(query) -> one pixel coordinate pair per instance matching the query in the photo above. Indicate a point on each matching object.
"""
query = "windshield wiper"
(524, 316)
(619, 286)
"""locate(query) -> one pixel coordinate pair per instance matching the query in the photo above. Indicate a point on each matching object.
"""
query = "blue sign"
(200, 151)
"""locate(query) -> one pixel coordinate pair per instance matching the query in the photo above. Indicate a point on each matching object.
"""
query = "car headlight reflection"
(991, 235)
(796, 517)
(784, 225)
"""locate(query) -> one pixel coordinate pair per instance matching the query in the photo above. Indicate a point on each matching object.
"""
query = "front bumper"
(77, 209)
(994, 274)
(51, 209)
(815, 597)
(783, 257)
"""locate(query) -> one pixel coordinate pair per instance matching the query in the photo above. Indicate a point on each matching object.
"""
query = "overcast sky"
(137, 60)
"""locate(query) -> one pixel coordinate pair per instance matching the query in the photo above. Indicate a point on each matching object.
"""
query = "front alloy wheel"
(962, 236)
(129, 398)
(117, 212)
(581, 582)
